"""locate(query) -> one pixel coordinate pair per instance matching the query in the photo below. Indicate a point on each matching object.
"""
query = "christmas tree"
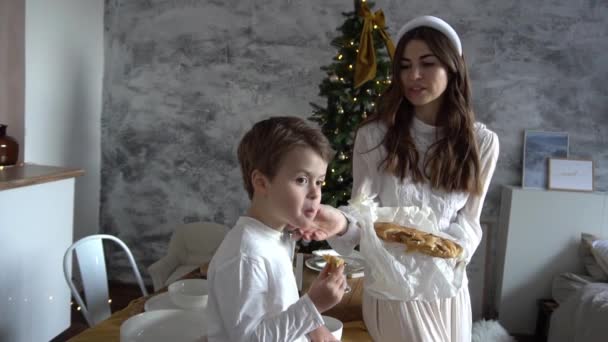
(359, 73)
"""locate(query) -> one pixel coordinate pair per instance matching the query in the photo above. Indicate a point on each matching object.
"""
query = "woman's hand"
(328, 222)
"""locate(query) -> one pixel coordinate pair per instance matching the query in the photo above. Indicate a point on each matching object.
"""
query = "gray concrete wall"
(184, 79)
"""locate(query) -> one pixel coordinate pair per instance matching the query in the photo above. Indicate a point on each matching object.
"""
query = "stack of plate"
(164, 325)
(165, 321)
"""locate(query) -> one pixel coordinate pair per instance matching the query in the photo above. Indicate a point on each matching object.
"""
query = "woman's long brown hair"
(452, 162)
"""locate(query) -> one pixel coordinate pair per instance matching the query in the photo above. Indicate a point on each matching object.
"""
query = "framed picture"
(539, 146)
(570, 174)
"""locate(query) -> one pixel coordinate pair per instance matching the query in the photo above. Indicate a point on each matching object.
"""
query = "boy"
(253, 294)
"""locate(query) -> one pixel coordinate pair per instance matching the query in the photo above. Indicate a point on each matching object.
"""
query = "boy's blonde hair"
(265, 145)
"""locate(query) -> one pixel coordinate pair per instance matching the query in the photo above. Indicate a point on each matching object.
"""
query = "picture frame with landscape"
(539, 147)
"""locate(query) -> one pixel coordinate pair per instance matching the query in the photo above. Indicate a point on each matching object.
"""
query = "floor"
(121, 294)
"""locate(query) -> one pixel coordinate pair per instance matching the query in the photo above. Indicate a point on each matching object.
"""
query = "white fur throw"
(490, 331)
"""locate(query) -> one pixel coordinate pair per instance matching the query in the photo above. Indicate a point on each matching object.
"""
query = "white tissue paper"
(391, 272)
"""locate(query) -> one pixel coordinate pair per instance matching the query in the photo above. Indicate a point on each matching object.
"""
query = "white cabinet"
(36, 221)
(539, 235)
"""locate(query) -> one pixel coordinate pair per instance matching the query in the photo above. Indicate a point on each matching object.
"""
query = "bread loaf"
(417, 240)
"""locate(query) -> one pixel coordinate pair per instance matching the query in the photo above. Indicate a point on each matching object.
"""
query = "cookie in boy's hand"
(333, 261)
(417, 240)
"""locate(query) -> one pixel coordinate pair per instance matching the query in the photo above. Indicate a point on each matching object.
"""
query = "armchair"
(191, 245)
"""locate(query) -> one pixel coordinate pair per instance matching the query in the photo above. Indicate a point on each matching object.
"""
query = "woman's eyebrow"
(405, 59)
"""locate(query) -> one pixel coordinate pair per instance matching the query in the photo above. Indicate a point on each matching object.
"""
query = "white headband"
(432, 22)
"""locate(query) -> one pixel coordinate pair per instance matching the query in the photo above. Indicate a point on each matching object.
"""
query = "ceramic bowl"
(334, 326)
(189, 294)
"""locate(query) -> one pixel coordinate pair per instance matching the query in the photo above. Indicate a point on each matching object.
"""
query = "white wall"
(34, 297)
(11, 68)
(64, 63)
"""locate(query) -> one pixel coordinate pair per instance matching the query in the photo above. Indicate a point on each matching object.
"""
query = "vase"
(9, 148)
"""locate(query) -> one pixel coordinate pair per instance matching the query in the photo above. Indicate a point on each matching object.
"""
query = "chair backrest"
(92, 265)
(194, 243)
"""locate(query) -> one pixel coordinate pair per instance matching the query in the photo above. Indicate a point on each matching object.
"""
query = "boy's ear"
(260, 182)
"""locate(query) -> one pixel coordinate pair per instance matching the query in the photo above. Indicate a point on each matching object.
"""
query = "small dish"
(321, 252)
(352, 265)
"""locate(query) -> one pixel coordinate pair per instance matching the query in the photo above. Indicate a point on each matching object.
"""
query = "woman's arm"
(364, 183)
(466, 228)
(365, 166)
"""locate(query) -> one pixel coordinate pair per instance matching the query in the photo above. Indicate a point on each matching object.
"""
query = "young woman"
(422, 148)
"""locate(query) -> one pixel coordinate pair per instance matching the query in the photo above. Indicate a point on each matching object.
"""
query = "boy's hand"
(328, 222)
(321, 334)
(327, 290)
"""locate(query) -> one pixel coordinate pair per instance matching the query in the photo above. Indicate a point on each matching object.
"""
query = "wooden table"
(348, 311)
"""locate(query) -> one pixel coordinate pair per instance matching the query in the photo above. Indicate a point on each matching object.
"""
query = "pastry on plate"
(333, 261)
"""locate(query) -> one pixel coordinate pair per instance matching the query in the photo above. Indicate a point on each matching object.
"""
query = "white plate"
(321, 252)
(160, 302)
(353, 254)
(325, 252)
(164, 325)
(317, 263)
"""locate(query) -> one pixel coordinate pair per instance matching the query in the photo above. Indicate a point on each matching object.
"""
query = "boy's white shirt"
(253, 294)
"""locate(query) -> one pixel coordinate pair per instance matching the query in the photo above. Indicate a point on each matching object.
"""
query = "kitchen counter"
(30, 174)
(36, 228)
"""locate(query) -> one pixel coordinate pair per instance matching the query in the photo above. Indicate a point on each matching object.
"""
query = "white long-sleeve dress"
(253, 294)
(458, 213)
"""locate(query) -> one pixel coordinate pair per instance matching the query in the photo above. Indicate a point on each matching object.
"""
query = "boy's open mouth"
(310, 213)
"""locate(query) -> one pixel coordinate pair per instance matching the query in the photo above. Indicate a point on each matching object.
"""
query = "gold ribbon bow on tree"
(365, 65)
